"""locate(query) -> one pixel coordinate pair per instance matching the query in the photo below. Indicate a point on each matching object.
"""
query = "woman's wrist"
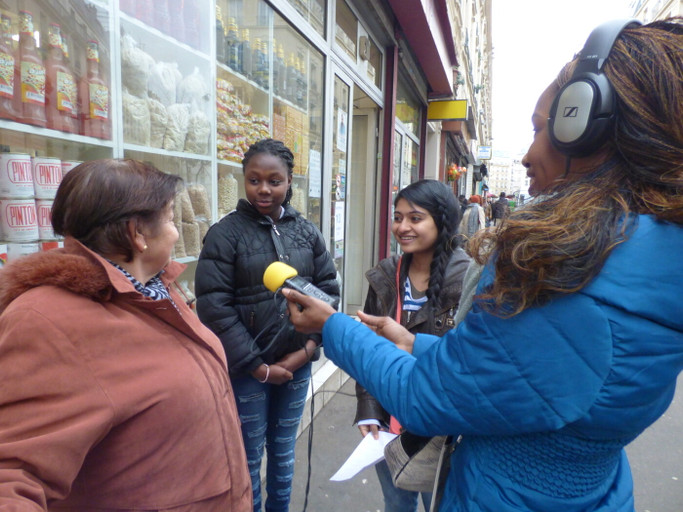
(309, 348)
(267, 373)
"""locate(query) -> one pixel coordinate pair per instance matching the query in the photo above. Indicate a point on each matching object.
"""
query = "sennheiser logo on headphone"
(570, 111)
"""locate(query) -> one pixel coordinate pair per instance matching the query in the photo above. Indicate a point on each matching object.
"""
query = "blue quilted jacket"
(546, 400)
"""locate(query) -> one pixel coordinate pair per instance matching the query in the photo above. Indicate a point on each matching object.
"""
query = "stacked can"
(47, 175)
(18, 220)
(27, 190)
(67, 165)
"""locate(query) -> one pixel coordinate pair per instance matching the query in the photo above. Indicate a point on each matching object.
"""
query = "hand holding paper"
(368, 452)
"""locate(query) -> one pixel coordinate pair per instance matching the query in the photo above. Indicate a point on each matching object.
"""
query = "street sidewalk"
(334, 438)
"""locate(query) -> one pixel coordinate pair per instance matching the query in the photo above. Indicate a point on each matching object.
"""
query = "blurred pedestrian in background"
(500, 209)
(473, 219)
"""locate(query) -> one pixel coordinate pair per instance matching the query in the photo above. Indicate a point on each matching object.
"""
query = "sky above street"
(532, 40)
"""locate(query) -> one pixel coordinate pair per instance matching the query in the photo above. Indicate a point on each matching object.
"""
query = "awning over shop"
(427, 28)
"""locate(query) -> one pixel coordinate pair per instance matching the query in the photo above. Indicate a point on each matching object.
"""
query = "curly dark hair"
(276, 148)
(438, 199)
(559, 245)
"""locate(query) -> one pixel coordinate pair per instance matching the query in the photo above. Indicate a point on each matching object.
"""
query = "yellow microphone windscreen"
(276, 274)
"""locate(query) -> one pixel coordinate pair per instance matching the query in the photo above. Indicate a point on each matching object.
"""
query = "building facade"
(649, 10)
(346, 85)
(187, 86)
(507, 174)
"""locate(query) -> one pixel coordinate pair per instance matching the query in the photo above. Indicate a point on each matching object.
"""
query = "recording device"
(584, 109)
(279, 274)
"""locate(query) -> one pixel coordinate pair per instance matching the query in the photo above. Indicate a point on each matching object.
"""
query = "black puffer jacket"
(231, 297)
(381, 301)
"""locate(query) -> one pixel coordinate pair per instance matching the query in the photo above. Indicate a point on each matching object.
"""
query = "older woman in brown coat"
(114, 396)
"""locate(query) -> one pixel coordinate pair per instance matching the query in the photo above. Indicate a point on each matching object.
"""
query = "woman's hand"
(295, 360)
(390, 329)
(369, 429)
(307, 314)
(272, 374)
(279, 375)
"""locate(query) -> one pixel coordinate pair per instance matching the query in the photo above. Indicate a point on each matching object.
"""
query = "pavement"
(656, 459)
(334, 438)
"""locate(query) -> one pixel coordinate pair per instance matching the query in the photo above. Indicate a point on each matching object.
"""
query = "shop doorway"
(363, 224)
(354, 188)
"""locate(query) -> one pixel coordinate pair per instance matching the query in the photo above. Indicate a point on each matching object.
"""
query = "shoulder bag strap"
(398, 290)
(394, 425)
(279, 247)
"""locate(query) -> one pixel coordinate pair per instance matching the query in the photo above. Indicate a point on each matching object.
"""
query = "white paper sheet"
(368, 452)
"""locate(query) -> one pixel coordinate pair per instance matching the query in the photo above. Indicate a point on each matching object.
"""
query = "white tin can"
(18, 219)
(47, 245)
(16, 250)
(16, 176)
(44, 218)
(47, 175)
(67, 165)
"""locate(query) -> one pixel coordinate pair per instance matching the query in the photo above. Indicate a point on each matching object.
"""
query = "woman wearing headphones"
(569, 352)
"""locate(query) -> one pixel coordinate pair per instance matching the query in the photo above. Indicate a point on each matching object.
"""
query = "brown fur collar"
(74, 272)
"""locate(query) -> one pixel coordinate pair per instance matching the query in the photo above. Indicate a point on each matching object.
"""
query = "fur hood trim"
(73, 272)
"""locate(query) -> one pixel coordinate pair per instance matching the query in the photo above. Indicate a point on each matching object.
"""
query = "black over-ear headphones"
(584, 108)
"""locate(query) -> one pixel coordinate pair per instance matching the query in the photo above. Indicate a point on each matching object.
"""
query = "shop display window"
(166, 69)
(405, 168)
(356, 43)
(313, 11)
(408, 108)
(269, 84)
(346, 29)
(169, 95)
(185, 22)
(396, 182)
(55, 67)
(340, 164)
(55, 110)
(372, 57)
(409, 172)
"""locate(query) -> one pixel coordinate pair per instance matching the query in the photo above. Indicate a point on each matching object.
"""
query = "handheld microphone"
(280, 274)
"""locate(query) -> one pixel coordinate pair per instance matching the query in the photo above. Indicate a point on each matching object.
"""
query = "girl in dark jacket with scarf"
(269, 362)
(427, 279)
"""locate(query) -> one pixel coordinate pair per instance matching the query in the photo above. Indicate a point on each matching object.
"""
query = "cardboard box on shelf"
(279, 127)
(293, 127)
(302, 167)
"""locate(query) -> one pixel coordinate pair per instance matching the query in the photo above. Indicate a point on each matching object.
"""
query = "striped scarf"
(154, 288)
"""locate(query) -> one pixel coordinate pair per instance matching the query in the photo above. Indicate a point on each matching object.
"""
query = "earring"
(144, 248)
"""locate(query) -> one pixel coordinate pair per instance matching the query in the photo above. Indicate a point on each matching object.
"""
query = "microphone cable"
(268, 326)
(310, 446)
(313, 394)
(310, 437)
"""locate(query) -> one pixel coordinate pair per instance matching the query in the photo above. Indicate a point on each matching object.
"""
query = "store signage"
(484, 153)
(448, 110)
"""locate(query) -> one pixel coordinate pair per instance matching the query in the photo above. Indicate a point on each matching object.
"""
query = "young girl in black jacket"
(269, 362)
